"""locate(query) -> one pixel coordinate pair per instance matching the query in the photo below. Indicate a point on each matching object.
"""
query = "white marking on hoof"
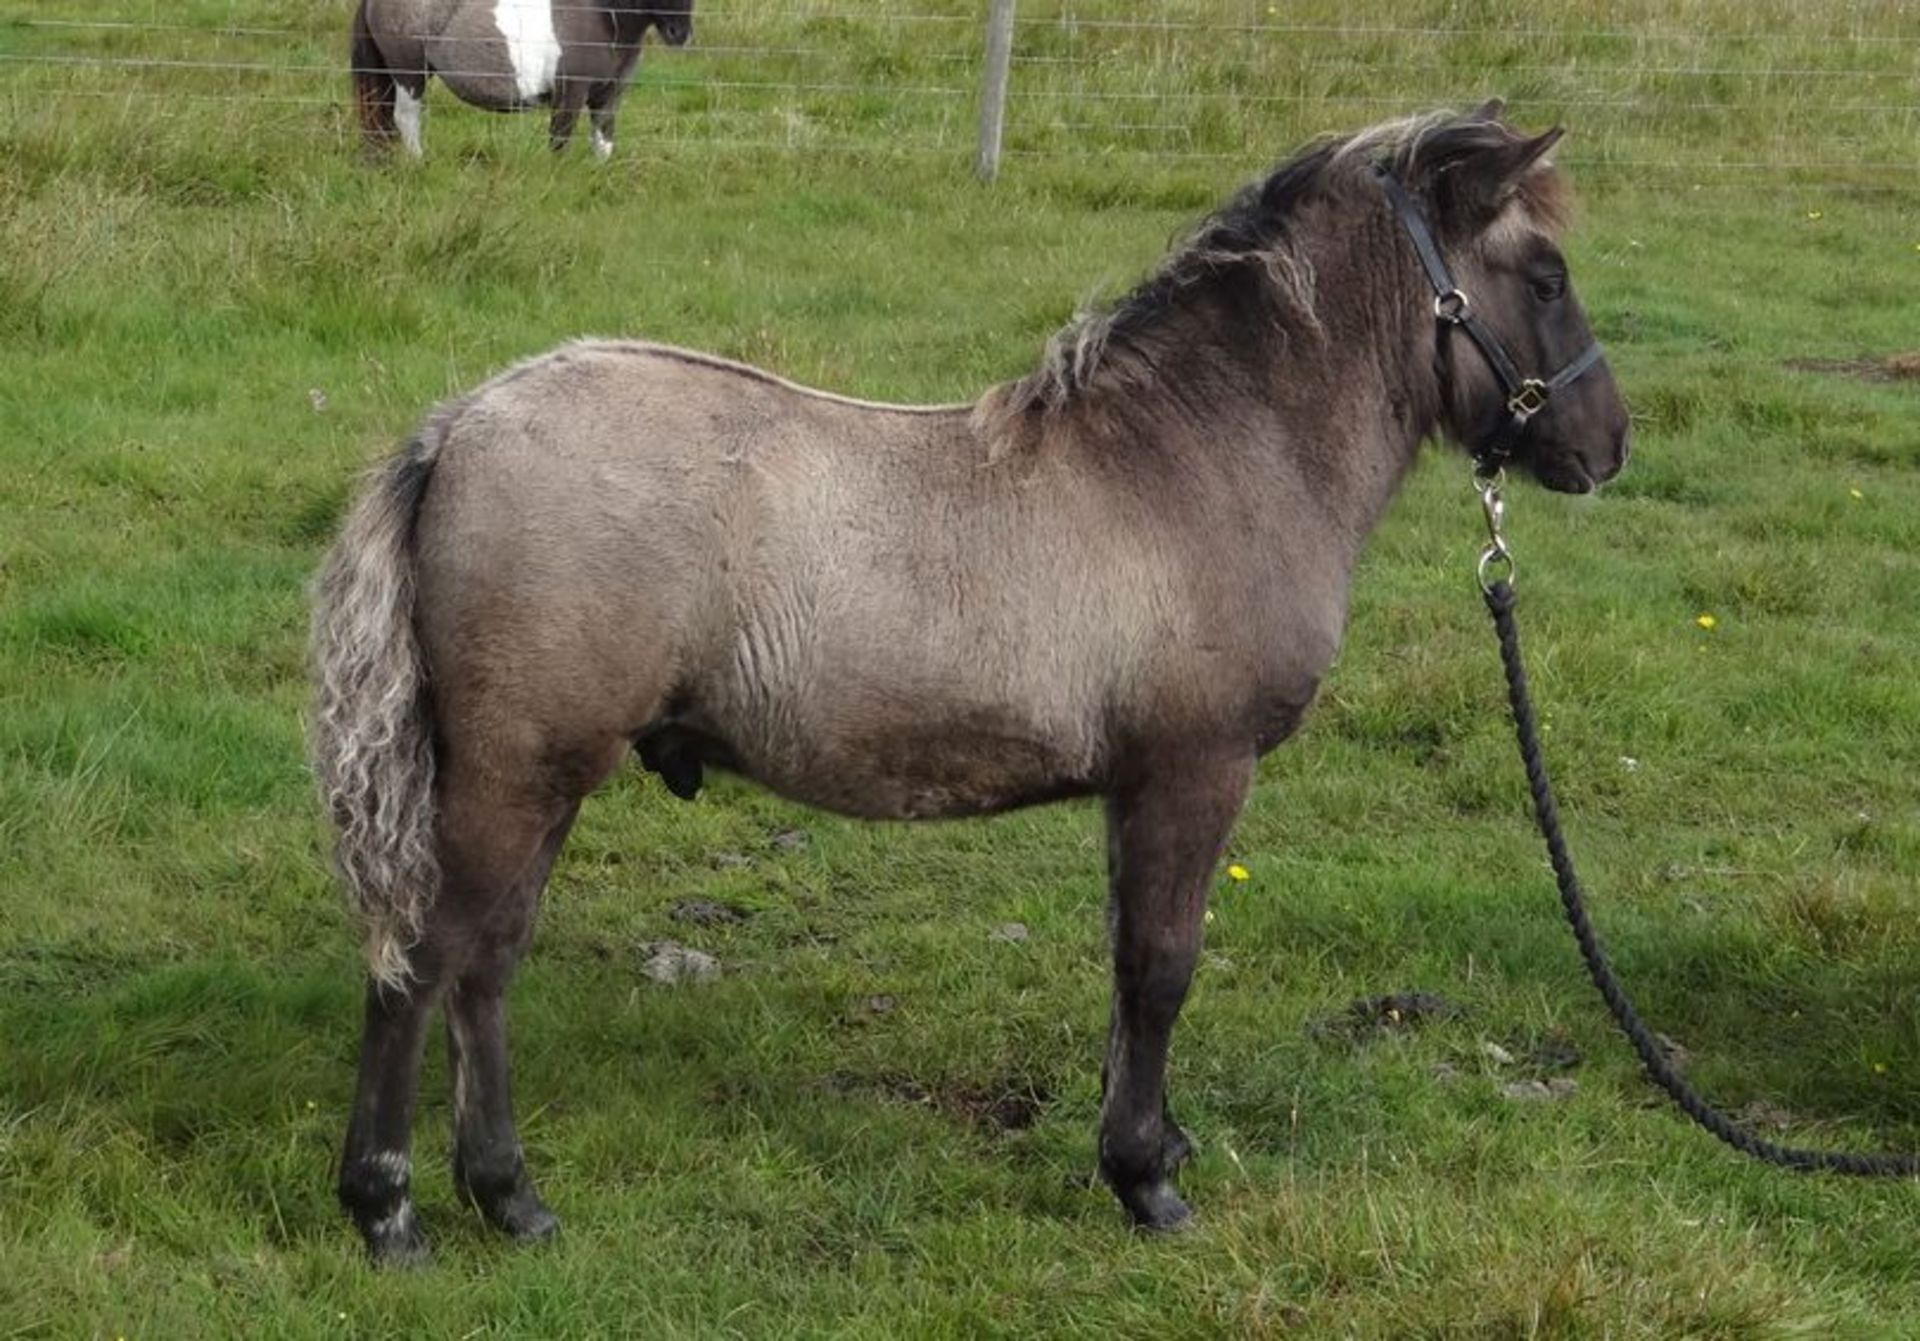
(602, 146)
(406, 115)
(532, 45)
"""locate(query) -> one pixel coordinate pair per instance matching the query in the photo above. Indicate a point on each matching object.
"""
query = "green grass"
(768, 1155)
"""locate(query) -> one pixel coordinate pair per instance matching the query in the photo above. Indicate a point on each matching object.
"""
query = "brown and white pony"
(1122, 575)
(506, 56)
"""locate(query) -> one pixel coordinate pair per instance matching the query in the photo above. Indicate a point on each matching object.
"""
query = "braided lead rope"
(1500, 601)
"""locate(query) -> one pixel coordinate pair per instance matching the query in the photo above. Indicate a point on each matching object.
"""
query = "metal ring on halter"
(1529, 400)
(1452, 306)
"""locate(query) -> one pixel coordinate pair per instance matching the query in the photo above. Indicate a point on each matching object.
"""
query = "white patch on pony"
(406, 115)
(393, 1163)
(397, 1225)
(532, 45)
(602, 146)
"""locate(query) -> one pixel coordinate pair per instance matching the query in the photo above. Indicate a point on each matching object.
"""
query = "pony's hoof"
(518, 1213)
(1157, 1208)
(532, 1223)
(400, 1247)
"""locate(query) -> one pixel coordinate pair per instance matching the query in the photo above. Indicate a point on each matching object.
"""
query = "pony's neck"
(1321, 389)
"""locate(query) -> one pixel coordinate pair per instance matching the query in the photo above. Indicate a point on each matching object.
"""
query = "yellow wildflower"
(1238, 872)
(1706, 621)
(1855, 494)
(1816, 214)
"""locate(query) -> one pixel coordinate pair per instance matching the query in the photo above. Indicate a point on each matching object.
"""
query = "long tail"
(373, 85)
(371, 736)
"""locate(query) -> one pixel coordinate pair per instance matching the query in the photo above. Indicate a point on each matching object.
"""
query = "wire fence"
(1703, 92)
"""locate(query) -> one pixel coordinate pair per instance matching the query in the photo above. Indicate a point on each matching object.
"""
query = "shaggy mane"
(1252, 235)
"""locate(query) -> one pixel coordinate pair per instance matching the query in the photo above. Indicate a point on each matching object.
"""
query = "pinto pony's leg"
(603, 133)
(410, 109)
(1165, 834)
(373, 86)
(604, 103)
(569, 96)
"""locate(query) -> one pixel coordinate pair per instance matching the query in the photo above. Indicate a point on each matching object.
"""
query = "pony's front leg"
(604, 104)
(1165, 832)
(376, 1168)
(569, 96)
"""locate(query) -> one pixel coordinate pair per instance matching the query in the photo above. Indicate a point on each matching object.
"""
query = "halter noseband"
(1526, 396)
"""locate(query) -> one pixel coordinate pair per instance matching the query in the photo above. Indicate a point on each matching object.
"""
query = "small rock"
(1496, 1054)
(791, 840)
(1011, 932)
(729, 861)
(882, 1004)
(1525, 1091)
(1444, 1073)
(318, 399)
(706, 912)
(1539, 1091)
(671, 962)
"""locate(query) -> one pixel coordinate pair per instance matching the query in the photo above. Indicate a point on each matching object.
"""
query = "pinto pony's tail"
(371, 734)
(373, 86)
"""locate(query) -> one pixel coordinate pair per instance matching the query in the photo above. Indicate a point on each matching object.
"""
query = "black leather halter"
(1526, 396)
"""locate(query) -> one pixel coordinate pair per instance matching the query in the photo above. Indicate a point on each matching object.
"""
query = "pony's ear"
(1489, 110)
(1482, 182)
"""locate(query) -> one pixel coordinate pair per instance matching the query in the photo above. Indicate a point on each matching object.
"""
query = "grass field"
(879, 1121)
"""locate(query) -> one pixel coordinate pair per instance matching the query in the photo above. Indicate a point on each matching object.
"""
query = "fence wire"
(1705, 91)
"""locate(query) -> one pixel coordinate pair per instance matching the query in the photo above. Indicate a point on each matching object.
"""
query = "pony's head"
(672, 18)
(1494, 205)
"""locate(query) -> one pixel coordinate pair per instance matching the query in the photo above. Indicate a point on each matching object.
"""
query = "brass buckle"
(1529, 400)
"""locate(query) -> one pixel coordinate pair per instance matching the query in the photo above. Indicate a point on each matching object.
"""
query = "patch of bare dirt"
(1893, 368)
(1009, 1104)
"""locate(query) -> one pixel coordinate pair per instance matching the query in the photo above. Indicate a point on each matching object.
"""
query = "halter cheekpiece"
(1525, 396)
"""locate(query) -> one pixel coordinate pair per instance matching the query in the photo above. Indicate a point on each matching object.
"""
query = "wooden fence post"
(993, 88)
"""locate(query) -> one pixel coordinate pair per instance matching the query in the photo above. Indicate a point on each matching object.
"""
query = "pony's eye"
(1549, 288)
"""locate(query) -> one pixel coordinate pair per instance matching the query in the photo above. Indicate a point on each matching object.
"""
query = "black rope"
(1500, 600)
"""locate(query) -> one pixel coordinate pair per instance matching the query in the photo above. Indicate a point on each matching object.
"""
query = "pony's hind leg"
(489, 1168)
(410, 109)
(1165, 833)
(376, 1167)
(496, 842)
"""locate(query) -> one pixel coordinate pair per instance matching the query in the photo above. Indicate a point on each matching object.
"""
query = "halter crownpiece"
(1526, 396)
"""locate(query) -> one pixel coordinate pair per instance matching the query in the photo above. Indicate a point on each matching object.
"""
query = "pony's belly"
(870, 769)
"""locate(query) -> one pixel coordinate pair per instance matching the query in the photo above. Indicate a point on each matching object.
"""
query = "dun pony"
(1122, 575)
